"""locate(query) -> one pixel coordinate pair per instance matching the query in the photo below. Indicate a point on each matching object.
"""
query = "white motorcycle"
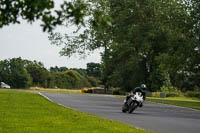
(133, 102)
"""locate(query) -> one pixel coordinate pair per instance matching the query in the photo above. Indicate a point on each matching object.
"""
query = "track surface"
(156, 117)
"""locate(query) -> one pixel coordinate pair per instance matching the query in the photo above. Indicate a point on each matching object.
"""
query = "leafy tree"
(95, 33)
(13, 10)
(58, 69)
(14, 73)
(152, 41)
(40, 75)
(93, 70)
(4, 71)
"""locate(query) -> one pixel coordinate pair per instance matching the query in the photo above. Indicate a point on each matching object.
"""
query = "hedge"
(192, 94)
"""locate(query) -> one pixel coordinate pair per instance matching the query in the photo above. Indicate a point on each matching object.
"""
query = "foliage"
(81, 71)
(118, 92)
(155, 94)
(93, 70)
(70, 80)
(173, 94)
(19, 73)
(40, 75)
(11, 11)
(93, 81)
(192, 94)
(92, 37)
(14, 73)
(58, 69)
(155, 42)
(169, 89)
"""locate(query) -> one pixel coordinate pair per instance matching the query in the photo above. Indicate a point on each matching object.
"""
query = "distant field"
(193, 103)
(22, 112)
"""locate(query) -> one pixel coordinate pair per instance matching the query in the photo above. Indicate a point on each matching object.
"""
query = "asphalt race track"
(159, 118)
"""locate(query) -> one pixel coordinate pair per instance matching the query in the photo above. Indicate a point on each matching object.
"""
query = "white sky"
(28, 41)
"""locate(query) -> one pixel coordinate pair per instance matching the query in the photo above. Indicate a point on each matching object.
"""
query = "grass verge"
(68, 91)
(22, 112)
(193, 103)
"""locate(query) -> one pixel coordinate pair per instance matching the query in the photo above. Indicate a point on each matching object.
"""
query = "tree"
(58, 69)
(93, 70)
(152, 41)
(40, 76)
(13, 10)
(14, 73)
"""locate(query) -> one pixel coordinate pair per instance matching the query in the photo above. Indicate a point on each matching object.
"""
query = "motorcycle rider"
(138, 89)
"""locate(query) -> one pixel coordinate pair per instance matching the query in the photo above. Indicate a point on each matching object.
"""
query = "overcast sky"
(30, 42)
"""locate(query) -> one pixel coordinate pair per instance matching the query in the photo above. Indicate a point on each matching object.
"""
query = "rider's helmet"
(143, 86)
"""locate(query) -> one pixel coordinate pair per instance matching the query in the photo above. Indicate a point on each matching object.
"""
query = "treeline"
(19, 73)
(155, 42)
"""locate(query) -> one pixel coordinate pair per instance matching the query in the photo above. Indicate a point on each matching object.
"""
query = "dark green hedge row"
(192, 94)
(172, 94)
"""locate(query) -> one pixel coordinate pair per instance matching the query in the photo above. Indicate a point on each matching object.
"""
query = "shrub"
(164, 89)
(70, 80)
(122, 92)
(155, 94)
(93, 81)
(169, 89)
(196, 89)
(116, 92)
(172, 94)
(89, 91)
(192, 94)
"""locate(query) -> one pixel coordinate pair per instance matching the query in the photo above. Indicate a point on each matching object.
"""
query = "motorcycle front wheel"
(133, 107)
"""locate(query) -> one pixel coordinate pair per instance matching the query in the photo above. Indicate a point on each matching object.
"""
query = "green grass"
(193, 103)
(23, 112)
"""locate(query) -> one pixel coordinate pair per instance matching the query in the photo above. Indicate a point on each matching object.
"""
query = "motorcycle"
(132, 103)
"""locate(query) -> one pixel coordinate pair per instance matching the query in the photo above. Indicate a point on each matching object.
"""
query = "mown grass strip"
(22, 112)
(193, 103)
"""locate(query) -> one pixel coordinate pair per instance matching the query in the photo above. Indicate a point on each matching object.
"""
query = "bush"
(93, 81)
(122, 92)
(169, 89)
(116, 92)
(70, 80)
(192, 94)
(164, 89)
(155, 94)
(89, 91)
(172, 94)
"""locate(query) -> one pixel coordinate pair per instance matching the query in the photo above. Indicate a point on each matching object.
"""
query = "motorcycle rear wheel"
(124, 108)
